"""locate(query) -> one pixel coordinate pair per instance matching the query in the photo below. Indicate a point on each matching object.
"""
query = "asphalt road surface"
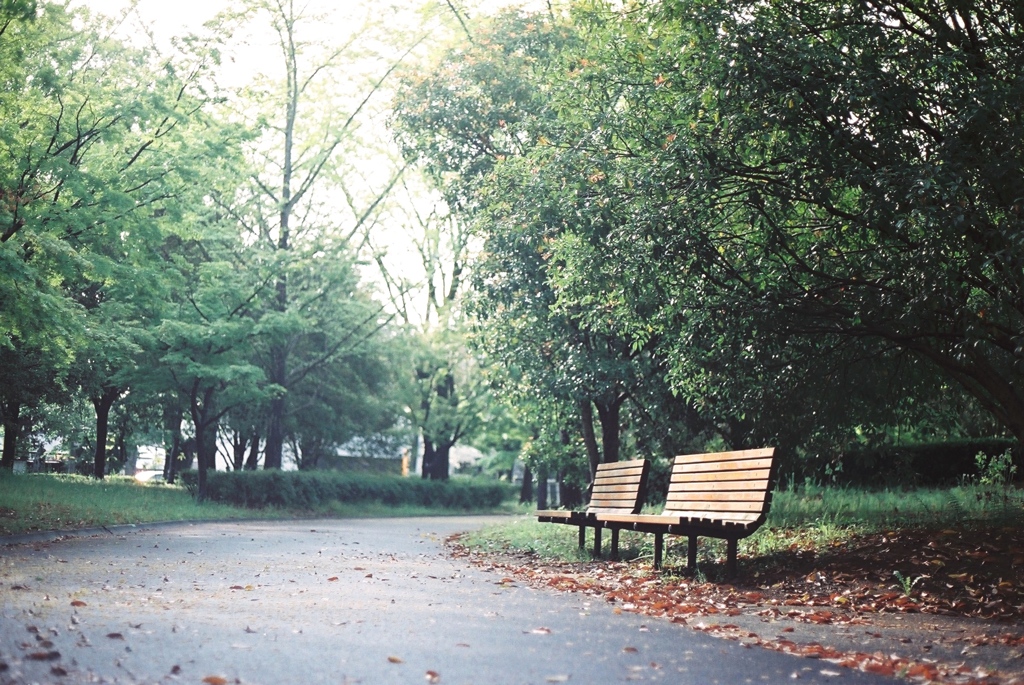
(332, 601)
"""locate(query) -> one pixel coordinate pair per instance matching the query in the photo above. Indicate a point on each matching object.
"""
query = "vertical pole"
(730, 562)
(583, 534)
(659, 541)
(691, 553)
(615, 544)
(597, 541)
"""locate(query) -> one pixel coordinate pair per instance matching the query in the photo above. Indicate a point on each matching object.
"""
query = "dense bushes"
(311, 489)
(922, 464)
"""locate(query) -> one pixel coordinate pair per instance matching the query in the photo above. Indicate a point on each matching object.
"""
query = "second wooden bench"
(619, 488)
(722, 495)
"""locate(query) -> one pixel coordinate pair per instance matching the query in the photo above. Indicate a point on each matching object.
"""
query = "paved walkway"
(332, 601)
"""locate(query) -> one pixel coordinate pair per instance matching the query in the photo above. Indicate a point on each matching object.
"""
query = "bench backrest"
(733, 487)
(619, 487)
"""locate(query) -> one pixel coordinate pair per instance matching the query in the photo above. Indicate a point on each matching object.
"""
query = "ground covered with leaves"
(941, 606)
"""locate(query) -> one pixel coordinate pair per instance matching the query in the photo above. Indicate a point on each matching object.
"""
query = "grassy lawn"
(30, 503)
(814, 518)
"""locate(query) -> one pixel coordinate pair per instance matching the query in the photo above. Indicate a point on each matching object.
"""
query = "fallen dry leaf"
(115, 636)
(395, 660)
(557, 679)
(78, 603)
(215, 680)
(433, 677)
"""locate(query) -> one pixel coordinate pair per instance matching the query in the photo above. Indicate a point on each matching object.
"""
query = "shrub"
(929, 464)
(313, 489)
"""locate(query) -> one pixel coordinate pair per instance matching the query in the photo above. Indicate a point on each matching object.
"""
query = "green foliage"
(929, 464)
(995, 470)
(695, 194)
(906, 583)
(877, 510)
(311, 490)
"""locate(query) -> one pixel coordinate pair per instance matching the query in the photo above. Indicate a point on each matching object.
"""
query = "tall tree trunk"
(172, 426)
(102, 404)
(11, 414)
(171, 460)
(238, 445)
(436, 459)
(253, 459)
(608, 414)
(442, 461)
(526, 491)
(589, 438)
(542, 487)
(428, 457)
(201, 409)
(273, 453)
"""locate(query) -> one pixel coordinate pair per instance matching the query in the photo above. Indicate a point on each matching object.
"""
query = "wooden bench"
(619, 488)
(722, 495)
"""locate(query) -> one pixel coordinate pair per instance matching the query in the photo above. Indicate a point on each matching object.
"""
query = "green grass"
(31, 502)
(807, 518)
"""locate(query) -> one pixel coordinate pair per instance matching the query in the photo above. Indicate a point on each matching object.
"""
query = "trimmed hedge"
(922, 464)
(311, 489)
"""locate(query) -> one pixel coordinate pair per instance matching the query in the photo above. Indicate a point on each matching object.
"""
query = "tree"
(483, 124)
(93, 131)
(206, 340)
(307, 122)
(913, 242)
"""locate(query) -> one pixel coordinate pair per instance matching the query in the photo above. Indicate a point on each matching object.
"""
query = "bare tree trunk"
(102, 404)
(436, 459)
(172, 424)
(526, 491)
(254, 453)
(542, 487)
(238, 445)
(11, 413)
(608, 414)
(589, 438)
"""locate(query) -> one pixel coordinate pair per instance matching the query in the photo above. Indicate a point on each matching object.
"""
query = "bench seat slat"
(617, 470)
(675, 519)
(757, 484)
(720, 476)
(767, 452)
(615, 487)
(718, 496)
(715, 467)
(694, 505)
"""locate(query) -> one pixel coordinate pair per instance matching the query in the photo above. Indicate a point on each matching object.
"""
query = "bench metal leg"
(583, 537)
(730, 559)
(659, 543)
(615, 544)
(597, 542)
(691, 554)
